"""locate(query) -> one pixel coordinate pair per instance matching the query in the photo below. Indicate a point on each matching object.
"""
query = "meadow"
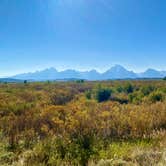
(83, 123)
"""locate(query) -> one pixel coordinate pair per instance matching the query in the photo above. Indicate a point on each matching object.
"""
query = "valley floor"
(79, 123)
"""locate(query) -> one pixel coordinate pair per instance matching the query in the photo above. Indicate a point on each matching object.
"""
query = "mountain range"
(115, 72)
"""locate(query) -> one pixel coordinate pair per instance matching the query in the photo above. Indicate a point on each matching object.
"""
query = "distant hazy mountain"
(91, 75)
(163, 73)
(53, 74)
(47, 74)
(116, 72)
(151, 73)
(12, 80)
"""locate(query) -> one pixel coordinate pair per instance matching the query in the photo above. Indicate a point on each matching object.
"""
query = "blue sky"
(81, 34)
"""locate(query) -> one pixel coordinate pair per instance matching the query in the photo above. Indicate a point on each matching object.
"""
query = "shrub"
(80, 81)
(103, 94)
(146, 90)
(61, 98)
(156, 96)
(7, 158)
(136, 97)
(119, 89)
(88, 94)
(25, 81)
(61, 152)
(128, 88)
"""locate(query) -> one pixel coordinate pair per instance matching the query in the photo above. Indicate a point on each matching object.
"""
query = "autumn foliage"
(70, 122)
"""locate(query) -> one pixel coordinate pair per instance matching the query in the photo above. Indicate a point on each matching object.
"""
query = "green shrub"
(119, 89)
(80, 81)
(7, 158)
(156, 96)
(60, 152)
(88, 94)
(103, 94)
(128, 88)
(146, 90)
(136, 97)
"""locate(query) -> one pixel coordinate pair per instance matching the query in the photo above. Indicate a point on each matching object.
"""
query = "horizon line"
(86, 70)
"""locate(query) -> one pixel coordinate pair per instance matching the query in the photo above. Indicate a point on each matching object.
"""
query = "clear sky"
(81, 34)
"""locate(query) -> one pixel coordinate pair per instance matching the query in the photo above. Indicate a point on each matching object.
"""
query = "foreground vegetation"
(83, 123)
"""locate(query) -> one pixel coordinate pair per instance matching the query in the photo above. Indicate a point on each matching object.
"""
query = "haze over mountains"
(115, 72)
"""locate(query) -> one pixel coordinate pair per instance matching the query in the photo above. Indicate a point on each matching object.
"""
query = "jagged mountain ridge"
(115, 72)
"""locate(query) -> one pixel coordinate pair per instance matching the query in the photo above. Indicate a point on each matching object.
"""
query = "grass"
(59, 124)
(123, 149)
(138, 152)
